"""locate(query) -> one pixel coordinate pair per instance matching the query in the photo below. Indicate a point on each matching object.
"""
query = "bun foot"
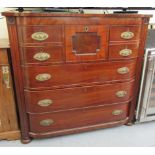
(26, 141)
(129, 124)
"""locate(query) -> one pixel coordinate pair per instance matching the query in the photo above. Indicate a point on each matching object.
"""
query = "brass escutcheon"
(86, 29)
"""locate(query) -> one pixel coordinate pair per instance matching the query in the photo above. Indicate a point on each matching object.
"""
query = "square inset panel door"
(86, 43)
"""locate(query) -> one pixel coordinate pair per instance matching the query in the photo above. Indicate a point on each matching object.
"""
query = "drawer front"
(77, 118)
(47, 101)
(42, 54)
(125, 33)
(40, 34)
(125, 51)
(77, 74)
(86, 43)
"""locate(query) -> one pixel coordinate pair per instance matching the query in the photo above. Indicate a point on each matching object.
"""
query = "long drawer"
(69, 98)
(76, 74)
(40, 123)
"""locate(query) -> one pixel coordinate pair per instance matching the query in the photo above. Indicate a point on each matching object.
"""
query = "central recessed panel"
(86, 43)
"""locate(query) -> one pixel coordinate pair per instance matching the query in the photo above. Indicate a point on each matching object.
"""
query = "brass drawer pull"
(117, 112)
(6, 76)
(46, 122)
(39, 36)
(45, 102)
(123, 70)
(127, 35)
(43, 77)
(41, 56)
(125, 52)
(121, 93)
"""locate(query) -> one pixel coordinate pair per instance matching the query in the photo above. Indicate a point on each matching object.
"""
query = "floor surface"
(123, 136)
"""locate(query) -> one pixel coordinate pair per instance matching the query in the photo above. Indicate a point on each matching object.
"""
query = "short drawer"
(77, 74)
(69, 98)
(40, 123)
(41, 54)
(123, 51)
(125, 33)
(40, 34)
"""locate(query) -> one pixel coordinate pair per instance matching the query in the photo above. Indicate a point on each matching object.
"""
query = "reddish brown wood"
(114, 51)
(77, 74)
(45, 14)
(28, 53)
(94, 20)
(82, 90)
(86, 43)
(25, 34)
(77, 130)
(73, 98)
(140, 59)
(115, 33)
(83, 117)
(15, 56)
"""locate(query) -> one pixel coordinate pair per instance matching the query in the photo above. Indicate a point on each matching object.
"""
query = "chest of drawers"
(75, 72)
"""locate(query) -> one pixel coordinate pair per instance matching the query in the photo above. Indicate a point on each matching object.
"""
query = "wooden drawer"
(40, 34)
(125, 33)
(86, 43)
(41, 54)
(77, 74)
(40, 123)
(50, 100)
(123, 51)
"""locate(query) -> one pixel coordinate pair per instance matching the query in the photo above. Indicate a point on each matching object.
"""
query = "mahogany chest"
(75, 72)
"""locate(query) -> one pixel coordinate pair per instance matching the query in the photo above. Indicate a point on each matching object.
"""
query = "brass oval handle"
(127, 35)
(117, 112)
(41, 56)
(39, 36)
(6, 76)
(43, 77)
(46, 122)
(125, 52)
(121, 93)
(123, 70)
(45, 102)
